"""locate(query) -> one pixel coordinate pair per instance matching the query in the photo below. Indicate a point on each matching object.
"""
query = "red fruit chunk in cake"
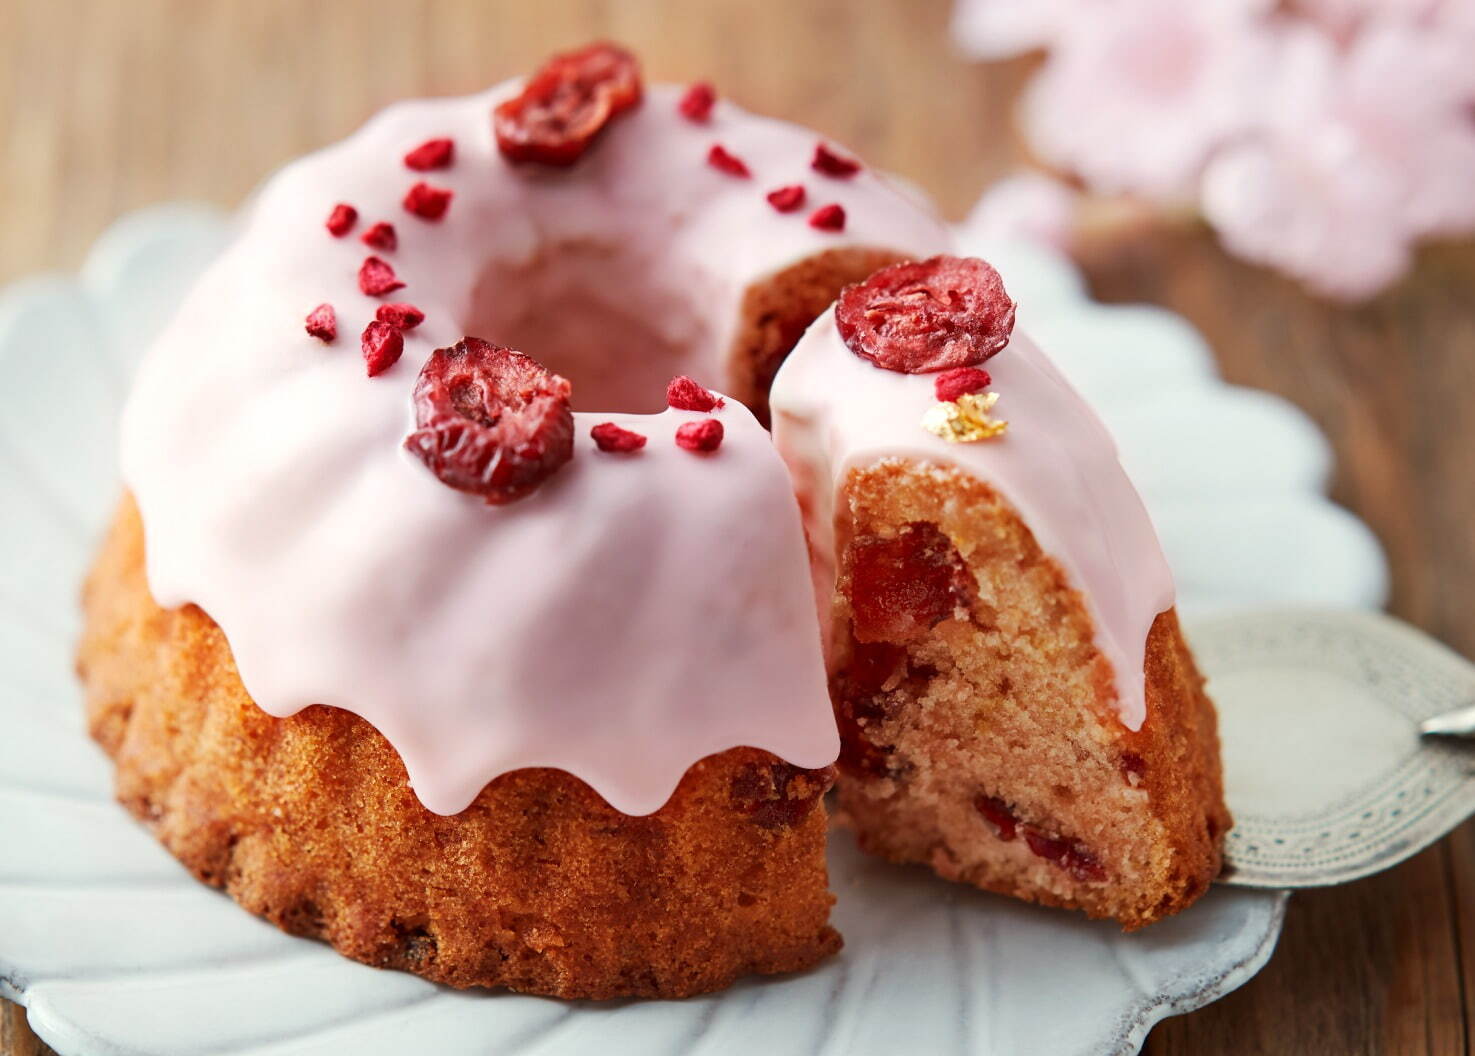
(924, 316)
(696, 104)
(778, 795)
(491, 421)
(432, 154)
(610, 437)
(906, 584)
(702, 437)
(999, 816)
(382, 345)
(566, 104)
(322, 323)
(687, 395)
(341, 220)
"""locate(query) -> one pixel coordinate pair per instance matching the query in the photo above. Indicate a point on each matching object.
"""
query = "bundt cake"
(408, 654)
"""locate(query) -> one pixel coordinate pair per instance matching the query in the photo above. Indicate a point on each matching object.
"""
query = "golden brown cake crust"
(1009, 699)
(539, 886)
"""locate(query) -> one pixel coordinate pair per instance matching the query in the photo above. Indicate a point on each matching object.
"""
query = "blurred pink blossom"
(1029, 206)
(999, 29)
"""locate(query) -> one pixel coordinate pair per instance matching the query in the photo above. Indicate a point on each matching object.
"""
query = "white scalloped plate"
(116, 950)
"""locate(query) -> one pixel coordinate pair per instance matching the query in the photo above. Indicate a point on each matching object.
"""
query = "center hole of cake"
(617, 326)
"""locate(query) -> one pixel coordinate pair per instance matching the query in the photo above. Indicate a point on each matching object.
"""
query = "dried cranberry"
(1133, 765)
(961, 381)
(427, 202)
(382, 345)
(610, 437)
(322, 323)
(787, 199)
(491, 421)
(723, 161)
(1050, 848)
(381, 235)
(696, 104)
(778, 795)
(399, 315)
(902, 587)
(1082, 864)
(998, 814)
(702, 437)
(924, 316)
(432, 154)
(341, 220)
(686, 395)
(566, 104)
(376, 277)
(832, 164)
(828, 218)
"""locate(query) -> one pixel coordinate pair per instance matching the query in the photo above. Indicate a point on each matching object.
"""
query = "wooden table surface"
(109, 105)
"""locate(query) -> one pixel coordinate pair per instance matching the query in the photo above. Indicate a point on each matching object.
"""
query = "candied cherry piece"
(701, 437)
(828, 218)
(778, 795)
(610, 437)
(566, 104)
(686, 395)
(491, 421)
(382, 345)
(322, 323)
(697, 102)
(832, 163)
(432, 154)
(341, 220)
(961, 381)
(904, 586)
(918, 317)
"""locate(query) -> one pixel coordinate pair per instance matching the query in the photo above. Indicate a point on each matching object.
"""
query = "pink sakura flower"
(1028, 206)
(1135, 94)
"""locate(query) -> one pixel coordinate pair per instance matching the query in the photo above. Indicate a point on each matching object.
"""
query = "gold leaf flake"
(966, 419)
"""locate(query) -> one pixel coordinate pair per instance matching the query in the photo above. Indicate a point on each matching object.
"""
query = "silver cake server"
(1345, 737)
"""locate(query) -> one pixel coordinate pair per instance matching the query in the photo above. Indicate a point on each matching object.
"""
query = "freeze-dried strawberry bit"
(566, 104)
(610, 437)
(701, 437)
(724, 161)
(376, 277)
(432, 154)
(427, 202)
(961, 381)
(382, 345)
(903, 586)
(686, 395)
(322, 323)
(697, 102)
(997, 813)
(923, 316)
(341, 220)
(381, 235)
(778, 795)
(830, 163)
(491, 421)
(787, 199)
(828, 218)
(400, 315)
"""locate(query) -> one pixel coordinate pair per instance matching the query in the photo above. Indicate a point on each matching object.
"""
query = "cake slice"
(1018, 708)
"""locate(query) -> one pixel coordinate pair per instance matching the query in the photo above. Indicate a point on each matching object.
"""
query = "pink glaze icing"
(636, 613)
(1057, 465)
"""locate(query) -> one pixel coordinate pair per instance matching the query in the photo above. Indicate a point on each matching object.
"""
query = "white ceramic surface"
(116, 950)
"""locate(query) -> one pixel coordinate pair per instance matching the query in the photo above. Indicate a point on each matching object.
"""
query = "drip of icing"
(633, 615)
(1057, 465)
